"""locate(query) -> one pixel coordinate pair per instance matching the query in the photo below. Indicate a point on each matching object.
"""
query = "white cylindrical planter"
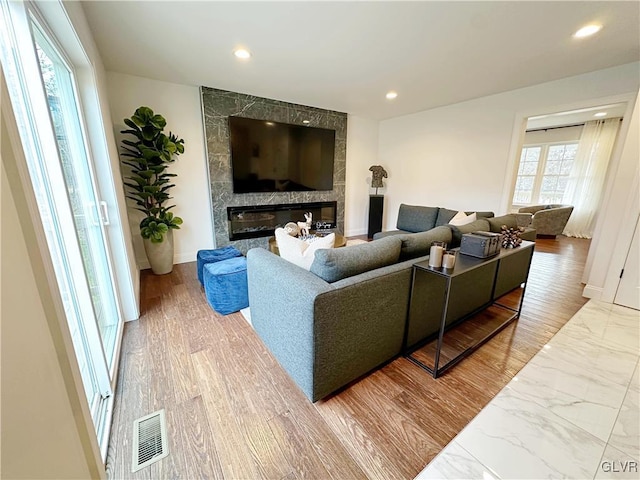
(160, 255)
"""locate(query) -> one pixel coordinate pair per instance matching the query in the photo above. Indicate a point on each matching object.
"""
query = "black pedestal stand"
(376, 204)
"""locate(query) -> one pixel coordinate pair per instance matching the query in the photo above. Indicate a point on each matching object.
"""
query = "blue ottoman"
(212, 256)
(225, 285)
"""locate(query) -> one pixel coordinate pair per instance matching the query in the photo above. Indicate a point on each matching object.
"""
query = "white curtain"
(586, 182)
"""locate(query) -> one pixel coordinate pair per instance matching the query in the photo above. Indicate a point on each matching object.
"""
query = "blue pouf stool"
(211, 256)
(225, 285)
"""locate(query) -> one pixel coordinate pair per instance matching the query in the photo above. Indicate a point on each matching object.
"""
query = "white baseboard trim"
(355, 233)
(592, 292)
(184, 257)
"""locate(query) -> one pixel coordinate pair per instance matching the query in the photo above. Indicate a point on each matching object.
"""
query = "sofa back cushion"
(413, 218)
(444, 216)
(338, 263)
(418, 244)
(480, 225)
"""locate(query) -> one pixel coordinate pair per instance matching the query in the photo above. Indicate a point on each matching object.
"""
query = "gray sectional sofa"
(414, 219)
(347, 315)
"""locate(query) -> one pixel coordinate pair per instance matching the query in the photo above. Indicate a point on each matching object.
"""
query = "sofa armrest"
(532, 209)
(388, 233)
(551, 221)
(360, 325)
(523, 219)
(282, 298)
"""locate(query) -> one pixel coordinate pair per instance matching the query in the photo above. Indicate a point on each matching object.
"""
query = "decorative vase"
(160, 255)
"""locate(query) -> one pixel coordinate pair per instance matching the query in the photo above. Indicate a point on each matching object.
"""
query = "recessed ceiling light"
(391, 95)
(242, 53)
(306, 122)
(271, 124)
(587, 30)
(600, 114)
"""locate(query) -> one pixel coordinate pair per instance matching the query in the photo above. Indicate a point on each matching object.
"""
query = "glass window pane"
(526, 183)
(533, 154)
(61, 99)
(521, 196)
(552, 168)
(562, 184)
(570, 151)
(529, 168)
(548, 184)
(566, 167)
(555, 152)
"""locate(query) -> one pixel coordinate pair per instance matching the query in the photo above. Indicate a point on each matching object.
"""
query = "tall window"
(41, 81)
(543, 172)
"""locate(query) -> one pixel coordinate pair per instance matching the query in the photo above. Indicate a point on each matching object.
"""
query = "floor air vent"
(149, 440)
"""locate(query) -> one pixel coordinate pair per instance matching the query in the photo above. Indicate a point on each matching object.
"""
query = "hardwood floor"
(232, 412)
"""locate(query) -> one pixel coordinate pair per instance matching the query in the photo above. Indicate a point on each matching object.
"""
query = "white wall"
(181, 107)
(617, 218)
(459, 156)
(362, 152)
(46, 428)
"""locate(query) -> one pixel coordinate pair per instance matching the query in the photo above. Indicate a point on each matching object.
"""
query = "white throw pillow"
(462, 218)
(298, 251)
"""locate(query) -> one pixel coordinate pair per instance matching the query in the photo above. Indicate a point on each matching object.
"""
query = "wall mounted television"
(270, 156)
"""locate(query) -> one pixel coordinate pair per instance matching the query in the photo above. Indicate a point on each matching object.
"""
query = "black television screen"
(270, 156)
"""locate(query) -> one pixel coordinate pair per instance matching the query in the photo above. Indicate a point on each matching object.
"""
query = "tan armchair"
(548, 220)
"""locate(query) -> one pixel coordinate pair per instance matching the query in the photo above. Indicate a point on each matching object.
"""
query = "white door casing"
(628, 293)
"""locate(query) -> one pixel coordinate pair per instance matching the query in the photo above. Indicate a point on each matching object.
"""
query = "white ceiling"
(346, 55)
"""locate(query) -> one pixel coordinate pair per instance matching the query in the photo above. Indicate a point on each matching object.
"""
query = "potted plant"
(148, 183)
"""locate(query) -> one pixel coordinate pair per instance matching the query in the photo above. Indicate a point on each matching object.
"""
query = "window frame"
(542, 163)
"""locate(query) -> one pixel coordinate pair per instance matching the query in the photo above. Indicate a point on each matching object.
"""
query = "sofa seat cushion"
(336, 264)
(413, 218)
(418, 244)
(480, 225)
(300, 252)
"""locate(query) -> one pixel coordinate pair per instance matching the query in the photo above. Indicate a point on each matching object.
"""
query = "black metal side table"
(443, 299)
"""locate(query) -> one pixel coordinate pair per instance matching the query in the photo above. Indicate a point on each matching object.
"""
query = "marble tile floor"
(572, 412)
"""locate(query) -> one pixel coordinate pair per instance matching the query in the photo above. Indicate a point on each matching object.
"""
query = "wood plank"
(235, 458)
(196, 440)
(299, 453)
(234, 412)
(365, 450)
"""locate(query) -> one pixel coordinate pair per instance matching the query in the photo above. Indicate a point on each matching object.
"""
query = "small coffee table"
(340, 241)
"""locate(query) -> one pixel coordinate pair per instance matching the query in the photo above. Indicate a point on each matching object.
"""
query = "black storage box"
(480, 244)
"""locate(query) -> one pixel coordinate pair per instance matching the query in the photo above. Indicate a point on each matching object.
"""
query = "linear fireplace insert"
(262, 220)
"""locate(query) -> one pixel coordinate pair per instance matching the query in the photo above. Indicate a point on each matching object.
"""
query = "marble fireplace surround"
(217, 106)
